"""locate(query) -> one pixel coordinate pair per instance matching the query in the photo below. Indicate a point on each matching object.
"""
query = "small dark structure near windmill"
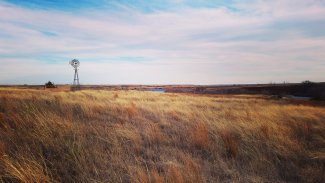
(75, 64)
(49, 84)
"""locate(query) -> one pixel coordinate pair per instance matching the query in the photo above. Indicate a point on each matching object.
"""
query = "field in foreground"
(132, 136)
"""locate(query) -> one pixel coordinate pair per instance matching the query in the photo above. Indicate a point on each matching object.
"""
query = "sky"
(162, 41)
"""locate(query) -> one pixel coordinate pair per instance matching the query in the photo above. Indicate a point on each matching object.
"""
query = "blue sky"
(162, 42)
(140, 5)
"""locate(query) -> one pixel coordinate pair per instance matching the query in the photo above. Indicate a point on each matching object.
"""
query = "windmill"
(75, 64)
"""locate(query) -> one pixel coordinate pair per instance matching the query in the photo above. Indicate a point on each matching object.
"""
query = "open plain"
(138, 136)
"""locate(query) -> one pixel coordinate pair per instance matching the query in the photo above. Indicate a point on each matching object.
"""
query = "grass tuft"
(230, 143)
(200, 135)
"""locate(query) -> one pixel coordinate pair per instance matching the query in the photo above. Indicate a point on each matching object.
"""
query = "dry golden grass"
(130, 136)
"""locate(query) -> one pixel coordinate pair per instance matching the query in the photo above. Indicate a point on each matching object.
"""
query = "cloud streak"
(239, 42)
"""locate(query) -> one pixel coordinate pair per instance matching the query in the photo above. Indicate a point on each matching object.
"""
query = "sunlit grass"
(132, 136)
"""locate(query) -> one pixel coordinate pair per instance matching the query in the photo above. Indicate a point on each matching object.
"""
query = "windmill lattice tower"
(75, 64)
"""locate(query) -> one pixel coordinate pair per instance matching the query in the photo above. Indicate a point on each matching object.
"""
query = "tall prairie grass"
(132, 136)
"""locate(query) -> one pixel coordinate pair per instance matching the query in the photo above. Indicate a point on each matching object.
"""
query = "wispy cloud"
(197, 42)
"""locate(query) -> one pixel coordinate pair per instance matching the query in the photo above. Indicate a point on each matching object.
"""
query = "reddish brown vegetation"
(230, 142)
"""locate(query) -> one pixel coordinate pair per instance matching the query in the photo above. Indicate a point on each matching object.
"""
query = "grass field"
(133, 136)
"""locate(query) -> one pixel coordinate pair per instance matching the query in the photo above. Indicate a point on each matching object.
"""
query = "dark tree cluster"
(50, 84)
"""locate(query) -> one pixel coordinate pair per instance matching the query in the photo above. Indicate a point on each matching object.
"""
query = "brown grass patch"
(2, 148)
(200, 135)
(3, 120)
(173, 115)
(155, 177)
(131, 110)
(174, 174)
(139, 175)
(265, 130)
(192, 171)
(230, 142)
